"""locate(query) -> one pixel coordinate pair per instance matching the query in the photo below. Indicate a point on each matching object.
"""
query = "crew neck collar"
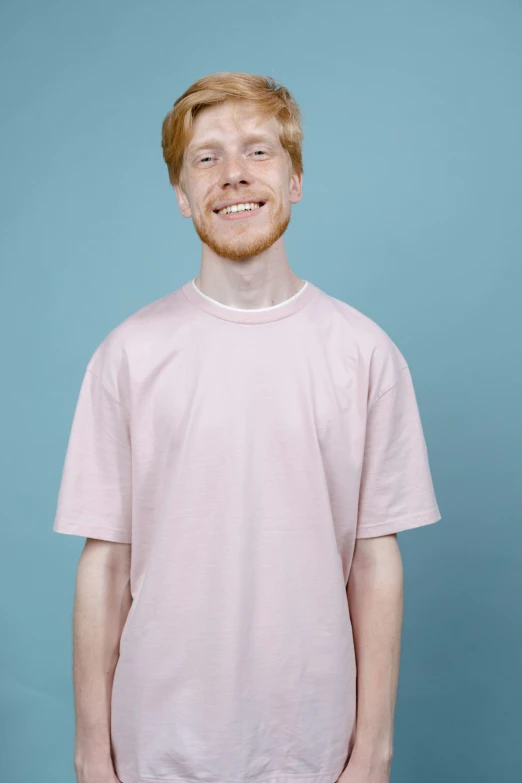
(255, 315)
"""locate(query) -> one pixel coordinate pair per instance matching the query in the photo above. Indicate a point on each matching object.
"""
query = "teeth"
(238, 208)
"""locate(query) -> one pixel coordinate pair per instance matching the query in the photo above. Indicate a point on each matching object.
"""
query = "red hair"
(270, 98)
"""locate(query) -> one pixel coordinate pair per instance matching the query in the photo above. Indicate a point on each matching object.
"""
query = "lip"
(233, 202)
(244, 215)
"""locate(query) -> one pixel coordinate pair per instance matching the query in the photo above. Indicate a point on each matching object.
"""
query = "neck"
(259, 281)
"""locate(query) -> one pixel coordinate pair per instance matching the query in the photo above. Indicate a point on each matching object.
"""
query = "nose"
(235, 172)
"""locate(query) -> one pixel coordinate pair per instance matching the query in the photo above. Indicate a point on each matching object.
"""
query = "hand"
(363, 769)
(108, 777)
(96, 773)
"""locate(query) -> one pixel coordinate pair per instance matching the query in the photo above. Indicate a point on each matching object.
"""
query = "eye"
(207, 157)
(262, 152)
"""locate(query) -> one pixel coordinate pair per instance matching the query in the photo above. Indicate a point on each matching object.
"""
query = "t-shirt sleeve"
(396, 491)
(95, 493)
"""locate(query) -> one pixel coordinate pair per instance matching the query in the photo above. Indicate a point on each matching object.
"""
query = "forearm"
(101, 604)
(375, 597)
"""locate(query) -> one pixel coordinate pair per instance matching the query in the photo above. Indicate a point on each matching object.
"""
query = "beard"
(243, 242)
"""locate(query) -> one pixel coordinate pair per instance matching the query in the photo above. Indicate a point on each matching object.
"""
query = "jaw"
(244, 238)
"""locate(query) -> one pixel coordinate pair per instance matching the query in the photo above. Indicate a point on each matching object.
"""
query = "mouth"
(240, 210)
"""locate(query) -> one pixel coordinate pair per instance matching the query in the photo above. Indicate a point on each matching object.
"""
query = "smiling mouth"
(247, 206)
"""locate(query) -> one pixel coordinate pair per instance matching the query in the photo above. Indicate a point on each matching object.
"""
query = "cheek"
(198, 209)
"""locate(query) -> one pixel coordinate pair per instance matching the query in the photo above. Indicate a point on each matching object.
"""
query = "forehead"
(232, 120)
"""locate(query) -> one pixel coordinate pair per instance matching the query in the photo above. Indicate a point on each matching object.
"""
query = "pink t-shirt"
(241, 452)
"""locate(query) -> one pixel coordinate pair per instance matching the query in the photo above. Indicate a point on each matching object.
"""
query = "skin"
(375, 598)
(101, 605)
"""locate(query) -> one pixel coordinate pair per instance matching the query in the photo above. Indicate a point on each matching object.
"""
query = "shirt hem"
(92, 531)
(323, 777)
(398, 525)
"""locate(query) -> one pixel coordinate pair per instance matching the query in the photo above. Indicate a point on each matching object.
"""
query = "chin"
(244, 247)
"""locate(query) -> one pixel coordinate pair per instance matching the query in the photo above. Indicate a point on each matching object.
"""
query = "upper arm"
(396, 491)
(95, 497)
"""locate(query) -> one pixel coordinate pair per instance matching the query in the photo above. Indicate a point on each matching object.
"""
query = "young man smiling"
(243, 453)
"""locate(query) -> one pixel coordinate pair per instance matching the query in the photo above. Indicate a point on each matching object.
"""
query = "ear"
(183, 201)
(296, 187)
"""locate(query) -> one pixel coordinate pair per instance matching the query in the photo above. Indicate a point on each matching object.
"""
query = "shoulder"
(379, 356)
(132, 340)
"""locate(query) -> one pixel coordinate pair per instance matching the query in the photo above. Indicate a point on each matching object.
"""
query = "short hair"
(270, 97)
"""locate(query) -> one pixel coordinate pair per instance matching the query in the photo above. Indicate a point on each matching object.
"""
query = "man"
(243, 452)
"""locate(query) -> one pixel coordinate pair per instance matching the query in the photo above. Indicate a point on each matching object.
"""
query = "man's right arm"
(102, 602)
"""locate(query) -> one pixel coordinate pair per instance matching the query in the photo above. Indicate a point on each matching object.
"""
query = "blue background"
(411, 213)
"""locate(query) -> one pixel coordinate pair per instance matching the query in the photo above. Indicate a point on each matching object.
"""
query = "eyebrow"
(213, 142)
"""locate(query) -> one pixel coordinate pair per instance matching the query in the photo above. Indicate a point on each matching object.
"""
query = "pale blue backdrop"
(411, 213)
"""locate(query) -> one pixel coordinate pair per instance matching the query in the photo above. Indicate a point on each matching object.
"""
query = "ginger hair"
(270, 98)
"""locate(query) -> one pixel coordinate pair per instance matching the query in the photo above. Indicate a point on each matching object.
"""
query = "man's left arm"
(375, 599)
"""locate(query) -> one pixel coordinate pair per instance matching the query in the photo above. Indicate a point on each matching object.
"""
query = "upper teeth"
(237, 208)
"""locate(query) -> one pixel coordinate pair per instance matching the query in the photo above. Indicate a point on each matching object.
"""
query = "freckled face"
(235, 156)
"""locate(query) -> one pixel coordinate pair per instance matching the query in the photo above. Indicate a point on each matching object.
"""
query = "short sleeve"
(95, 493)
(396, 491)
